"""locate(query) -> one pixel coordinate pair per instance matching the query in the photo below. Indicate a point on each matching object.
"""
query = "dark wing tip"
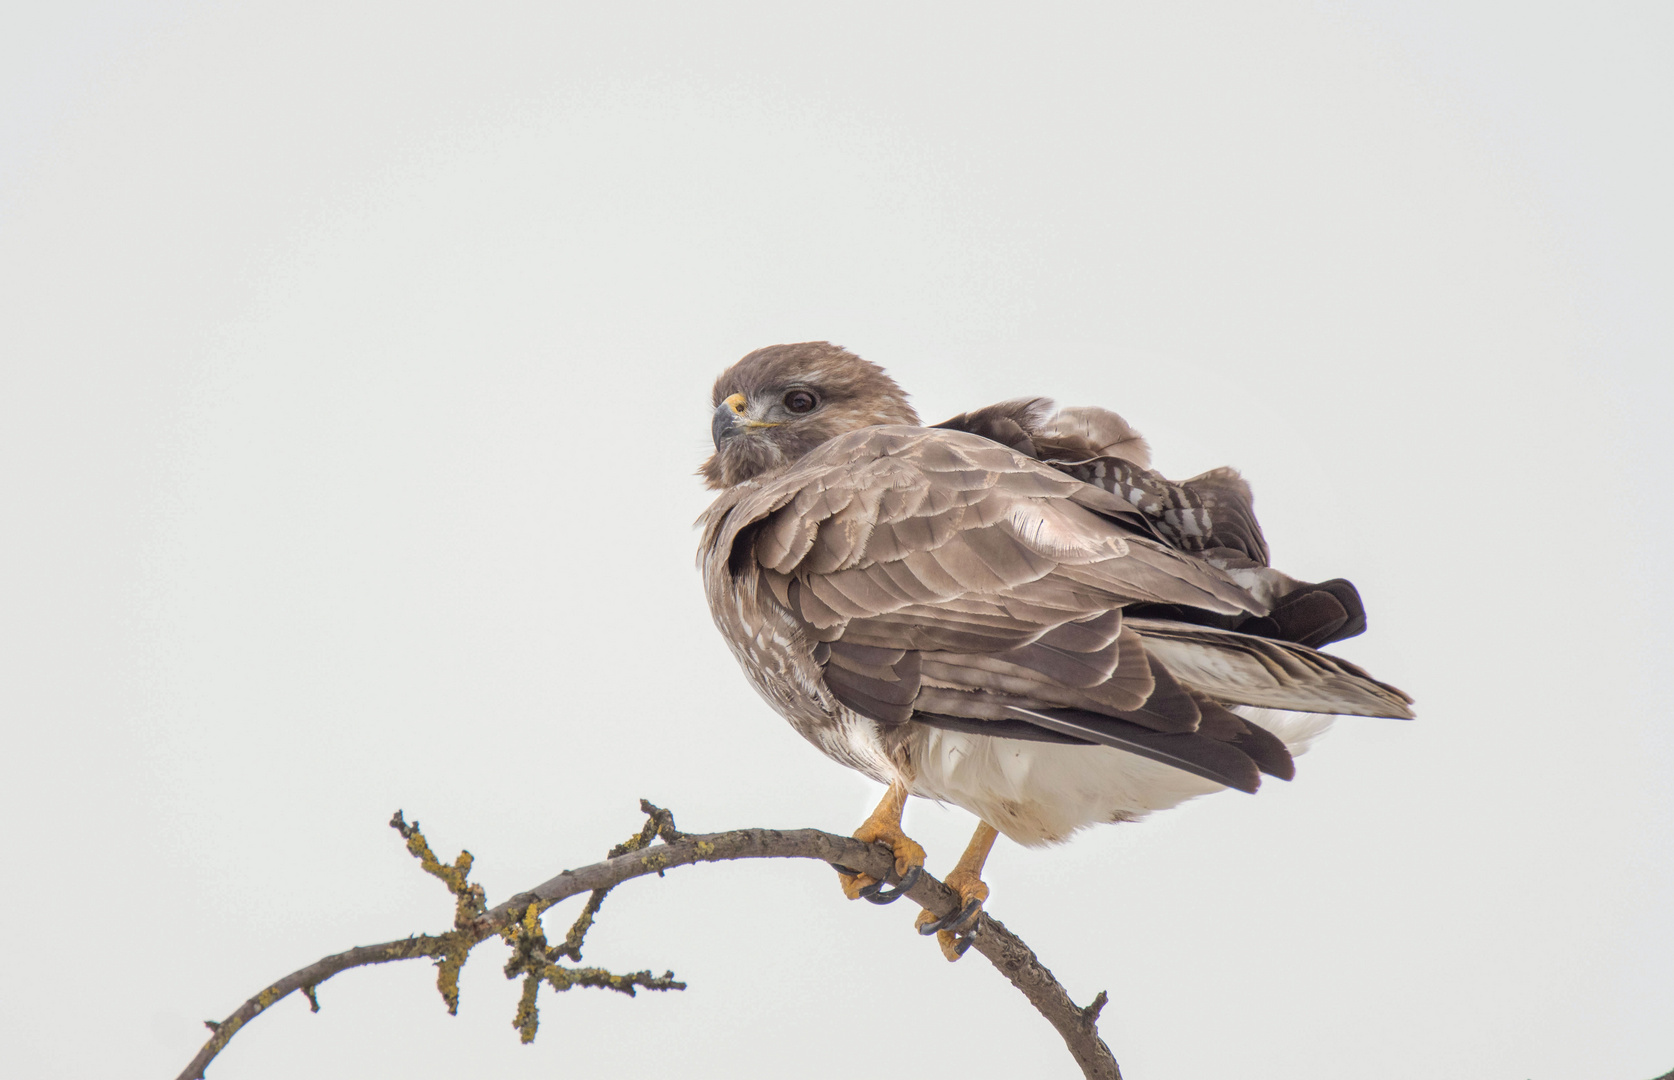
(1188, 751)
(1316, 615)
(1266, 749)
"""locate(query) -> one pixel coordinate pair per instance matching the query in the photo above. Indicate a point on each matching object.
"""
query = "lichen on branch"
(517, 922)
(537, 963)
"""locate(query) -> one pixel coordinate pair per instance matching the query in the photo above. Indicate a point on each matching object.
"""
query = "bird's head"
(780, 402)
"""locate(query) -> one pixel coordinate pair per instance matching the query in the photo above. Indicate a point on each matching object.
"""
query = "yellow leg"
(966, 880)
(885, 825)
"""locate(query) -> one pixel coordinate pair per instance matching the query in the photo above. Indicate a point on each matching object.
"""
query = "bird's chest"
(777, 658)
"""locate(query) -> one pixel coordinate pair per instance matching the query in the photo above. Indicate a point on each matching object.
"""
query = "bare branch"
(517, 921)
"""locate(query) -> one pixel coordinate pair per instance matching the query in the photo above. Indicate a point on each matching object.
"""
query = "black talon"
(876, 894)
(952, 919)
(841, 869)
(963, 943)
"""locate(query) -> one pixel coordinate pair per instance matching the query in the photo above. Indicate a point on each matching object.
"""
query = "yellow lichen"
(528, 1018)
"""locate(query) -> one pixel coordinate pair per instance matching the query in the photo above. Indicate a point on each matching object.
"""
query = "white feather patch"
(1042, 793)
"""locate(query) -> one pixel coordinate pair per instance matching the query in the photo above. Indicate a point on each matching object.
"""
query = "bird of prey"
(1008, 611)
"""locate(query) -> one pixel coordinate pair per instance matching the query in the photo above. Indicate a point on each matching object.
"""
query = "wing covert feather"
(946, 575)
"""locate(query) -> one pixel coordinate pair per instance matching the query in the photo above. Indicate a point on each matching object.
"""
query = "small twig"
(583, 923)
(452, 948)
(638, 858)
(658, 823)
(537, 963)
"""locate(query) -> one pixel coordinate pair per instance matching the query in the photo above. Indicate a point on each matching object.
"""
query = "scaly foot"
(884, 826)
(957, 929)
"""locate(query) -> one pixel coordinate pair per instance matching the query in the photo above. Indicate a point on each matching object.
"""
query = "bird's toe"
(878, 893)
(956, 930)
(956, 941)
(859, 886)
(885, 828)
(961, 919)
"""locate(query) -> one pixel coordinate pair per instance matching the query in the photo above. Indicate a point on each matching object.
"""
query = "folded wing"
(949, 578)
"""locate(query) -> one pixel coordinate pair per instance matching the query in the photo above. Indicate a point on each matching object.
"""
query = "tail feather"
(1242, 669)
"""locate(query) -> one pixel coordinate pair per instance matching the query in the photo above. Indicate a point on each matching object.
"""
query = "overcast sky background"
(355, 362)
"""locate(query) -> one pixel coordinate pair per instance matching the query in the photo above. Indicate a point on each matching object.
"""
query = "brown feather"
(1015, 571)
(1260, 745)
(1198, 754)
(1246, 670)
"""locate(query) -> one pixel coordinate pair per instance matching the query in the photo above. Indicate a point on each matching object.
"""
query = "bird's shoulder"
(878, 492)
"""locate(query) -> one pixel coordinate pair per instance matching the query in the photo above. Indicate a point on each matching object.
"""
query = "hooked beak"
(731, 419)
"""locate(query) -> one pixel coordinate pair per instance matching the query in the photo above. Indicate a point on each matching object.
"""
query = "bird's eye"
(800, 401)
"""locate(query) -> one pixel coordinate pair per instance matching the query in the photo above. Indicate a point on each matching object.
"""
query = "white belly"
(1039, 793)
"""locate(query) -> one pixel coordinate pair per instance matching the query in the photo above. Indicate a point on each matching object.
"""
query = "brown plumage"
(1010, 610)
(852, 395)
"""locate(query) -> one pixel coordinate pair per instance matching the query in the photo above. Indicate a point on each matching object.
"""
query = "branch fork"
(657, 847)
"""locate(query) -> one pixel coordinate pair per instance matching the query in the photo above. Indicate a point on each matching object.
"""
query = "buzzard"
(1008, 611)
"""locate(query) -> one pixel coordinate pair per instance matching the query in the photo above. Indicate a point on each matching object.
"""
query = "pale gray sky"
(355, 360)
